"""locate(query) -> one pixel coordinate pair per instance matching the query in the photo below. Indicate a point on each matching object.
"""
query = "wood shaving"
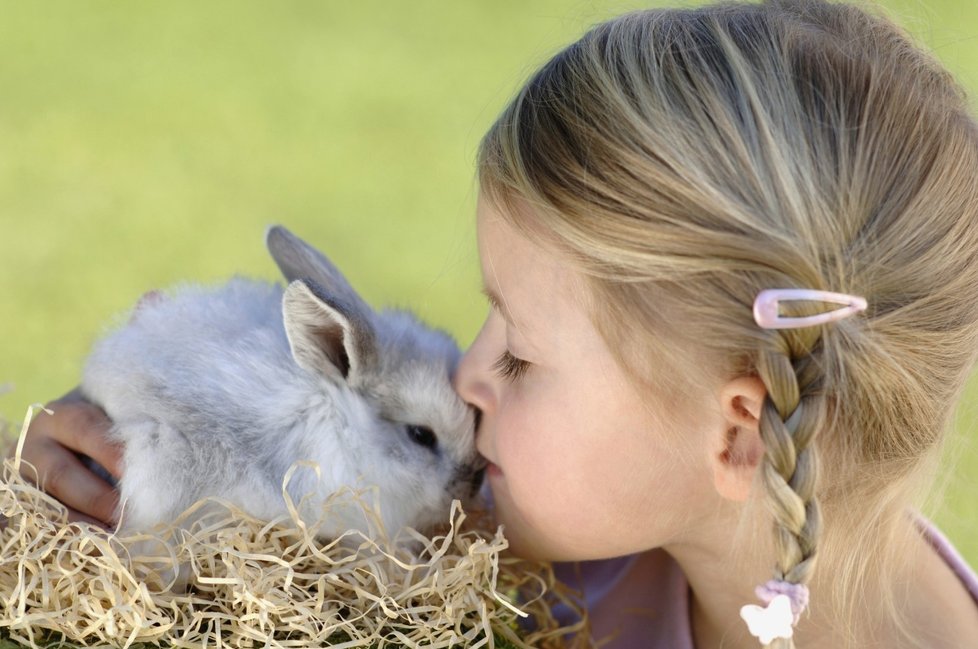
(267, 584)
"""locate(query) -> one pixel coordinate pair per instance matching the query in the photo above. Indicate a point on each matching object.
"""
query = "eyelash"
(510, 368)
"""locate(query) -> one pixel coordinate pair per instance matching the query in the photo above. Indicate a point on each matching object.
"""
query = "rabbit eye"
(422, 436)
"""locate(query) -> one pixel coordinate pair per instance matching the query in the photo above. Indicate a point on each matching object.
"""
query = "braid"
(792, 414)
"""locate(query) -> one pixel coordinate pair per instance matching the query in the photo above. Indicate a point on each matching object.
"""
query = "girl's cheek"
(515, 432)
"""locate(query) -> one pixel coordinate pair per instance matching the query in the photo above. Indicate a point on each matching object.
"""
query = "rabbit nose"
(478, 473)
(477, 481)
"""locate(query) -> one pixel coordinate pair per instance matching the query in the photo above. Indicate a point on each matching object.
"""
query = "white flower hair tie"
(785, 603)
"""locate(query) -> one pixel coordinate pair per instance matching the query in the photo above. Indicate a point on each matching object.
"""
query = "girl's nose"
(473, 377)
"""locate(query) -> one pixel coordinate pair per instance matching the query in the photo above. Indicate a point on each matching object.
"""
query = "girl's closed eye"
(510, 368)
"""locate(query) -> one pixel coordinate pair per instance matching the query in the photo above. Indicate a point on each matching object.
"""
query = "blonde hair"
(686, 159)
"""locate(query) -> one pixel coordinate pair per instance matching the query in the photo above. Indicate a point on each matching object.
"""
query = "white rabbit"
(217, 392)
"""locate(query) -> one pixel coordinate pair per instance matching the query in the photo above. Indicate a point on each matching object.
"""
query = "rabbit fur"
(219, 391)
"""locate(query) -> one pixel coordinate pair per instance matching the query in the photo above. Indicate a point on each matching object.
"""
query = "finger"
(67, 479)
(75, 516)
(84, 428)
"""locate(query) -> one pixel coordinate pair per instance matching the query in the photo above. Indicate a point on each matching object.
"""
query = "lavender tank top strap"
(947, 551)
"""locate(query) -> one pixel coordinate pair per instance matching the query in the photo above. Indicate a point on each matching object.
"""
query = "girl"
(650, 387)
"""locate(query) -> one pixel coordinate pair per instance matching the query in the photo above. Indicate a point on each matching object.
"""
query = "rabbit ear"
(326, 335)
(298, 260)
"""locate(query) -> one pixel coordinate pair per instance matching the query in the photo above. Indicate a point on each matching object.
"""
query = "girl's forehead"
(507, 268)
(532, 287)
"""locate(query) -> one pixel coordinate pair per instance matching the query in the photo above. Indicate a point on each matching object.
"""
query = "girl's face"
(581, 465)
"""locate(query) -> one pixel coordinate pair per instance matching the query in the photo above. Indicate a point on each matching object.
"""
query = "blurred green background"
(143, 144)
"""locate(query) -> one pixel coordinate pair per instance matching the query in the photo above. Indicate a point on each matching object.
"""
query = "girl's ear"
(738, 450)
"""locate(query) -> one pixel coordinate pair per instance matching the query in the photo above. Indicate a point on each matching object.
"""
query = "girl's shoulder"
(946, 591)
(946, 551)
(627, 596)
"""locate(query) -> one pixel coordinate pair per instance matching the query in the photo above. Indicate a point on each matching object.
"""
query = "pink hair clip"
(766, 304)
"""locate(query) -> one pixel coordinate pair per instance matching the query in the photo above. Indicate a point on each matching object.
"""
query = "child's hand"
(53, 445)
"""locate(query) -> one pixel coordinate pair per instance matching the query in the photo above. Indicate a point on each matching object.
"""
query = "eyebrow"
(497, 303)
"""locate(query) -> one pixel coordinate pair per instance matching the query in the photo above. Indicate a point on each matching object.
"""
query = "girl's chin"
(533, 542)
(522, 547)
(524, 541)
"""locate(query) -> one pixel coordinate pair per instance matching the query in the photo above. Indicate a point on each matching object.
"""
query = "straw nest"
(266, 584)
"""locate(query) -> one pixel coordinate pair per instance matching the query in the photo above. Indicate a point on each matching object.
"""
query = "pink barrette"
(766, 304)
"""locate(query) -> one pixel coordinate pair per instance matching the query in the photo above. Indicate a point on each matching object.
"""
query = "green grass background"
(143, 144)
